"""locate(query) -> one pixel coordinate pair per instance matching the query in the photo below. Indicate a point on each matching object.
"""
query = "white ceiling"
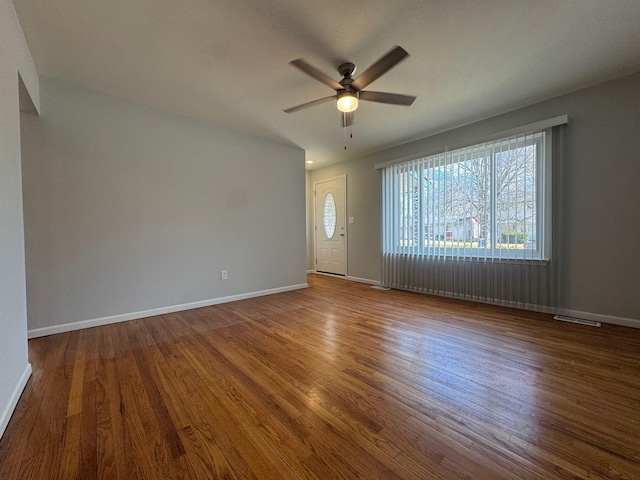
(226, 61)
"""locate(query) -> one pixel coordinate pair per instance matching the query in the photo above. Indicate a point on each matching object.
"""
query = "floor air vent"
(581, 321)
(380, 287)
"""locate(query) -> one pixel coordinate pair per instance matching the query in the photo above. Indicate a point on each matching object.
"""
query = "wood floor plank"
(43, 418)
(335, 381)
(389, 414)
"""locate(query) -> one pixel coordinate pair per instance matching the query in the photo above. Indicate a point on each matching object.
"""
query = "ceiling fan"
(349, 90)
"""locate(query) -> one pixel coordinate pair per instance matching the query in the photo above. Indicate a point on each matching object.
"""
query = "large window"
(488, 201)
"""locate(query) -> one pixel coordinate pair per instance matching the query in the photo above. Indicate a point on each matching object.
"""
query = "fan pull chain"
(344, 122)
(347, 129)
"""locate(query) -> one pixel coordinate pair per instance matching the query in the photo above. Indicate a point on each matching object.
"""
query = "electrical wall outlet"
(223, 274)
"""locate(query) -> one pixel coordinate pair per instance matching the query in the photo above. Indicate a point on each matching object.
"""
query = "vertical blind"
(473, 223)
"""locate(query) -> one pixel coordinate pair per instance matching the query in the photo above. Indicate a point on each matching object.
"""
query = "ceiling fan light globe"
(347, 102)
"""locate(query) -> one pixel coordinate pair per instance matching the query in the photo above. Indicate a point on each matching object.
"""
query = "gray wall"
(128, 209)
(309, 207)
(14, 59)
(600, 208)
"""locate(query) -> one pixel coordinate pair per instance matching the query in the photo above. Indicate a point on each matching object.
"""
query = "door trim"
(346, 225)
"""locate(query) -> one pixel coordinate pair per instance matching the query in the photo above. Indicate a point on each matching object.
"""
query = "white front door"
(330, 228)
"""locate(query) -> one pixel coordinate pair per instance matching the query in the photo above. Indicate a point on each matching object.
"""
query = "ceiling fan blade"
(375, 71)
(346, 118)
(391, 98)
(317, 74)
(310, 104)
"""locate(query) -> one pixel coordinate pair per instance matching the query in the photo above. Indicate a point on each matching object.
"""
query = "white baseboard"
(96, 322)
(363, 280)
(13, 399)
(596, 317)
(348, 277)
(332, 275)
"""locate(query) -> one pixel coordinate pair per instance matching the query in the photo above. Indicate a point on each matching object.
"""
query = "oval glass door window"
(329, 214)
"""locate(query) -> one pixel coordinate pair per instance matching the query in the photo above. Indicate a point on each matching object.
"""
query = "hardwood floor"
(336, 381)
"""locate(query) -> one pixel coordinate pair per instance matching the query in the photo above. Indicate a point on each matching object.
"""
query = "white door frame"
(315, 224)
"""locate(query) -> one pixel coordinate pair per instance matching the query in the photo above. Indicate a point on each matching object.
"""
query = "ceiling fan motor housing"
(346, 70)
